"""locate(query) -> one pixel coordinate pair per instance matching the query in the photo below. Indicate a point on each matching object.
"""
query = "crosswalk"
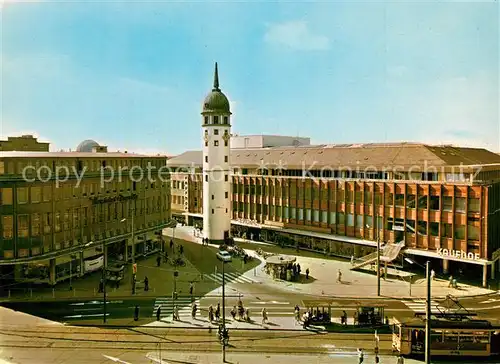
(167, 306)
(419, 305)
(230, 278)
(184, 304)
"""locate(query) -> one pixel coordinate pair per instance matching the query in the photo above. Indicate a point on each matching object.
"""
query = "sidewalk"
(356, 284)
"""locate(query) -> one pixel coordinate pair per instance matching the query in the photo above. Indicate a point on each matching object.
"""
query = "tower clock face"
(206, 137)
(225, 136)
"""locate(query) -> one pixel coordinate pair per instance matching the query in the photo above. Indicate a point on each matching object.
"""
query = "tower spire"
(216, 79)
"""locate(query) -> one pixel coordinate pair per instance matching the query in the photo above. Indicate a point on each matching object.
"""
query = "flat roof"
(76, 155)
(419, 157)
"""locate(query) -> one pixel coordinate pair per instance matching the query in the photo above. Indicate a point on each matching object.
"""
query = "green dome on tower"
(216, 101)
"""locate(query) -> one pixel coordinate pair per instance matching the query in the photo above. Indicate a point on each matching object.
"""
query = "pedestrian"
(136, 313)
(158, 260)
(297, 314)
(377, 360)
(339, 276)
(217, 312)
(352, 259)
(344, 318)
(307, 273)
(361, 356)
(233, 312)
(171, 244)
(166, 257)
(264, 316)
(433, 274)
(158, 313)
(181, 249)
(401, 360)
(450, 282)
(210, 313)
(176, 313)
(298, 269)
(146, 284)
(191, 288)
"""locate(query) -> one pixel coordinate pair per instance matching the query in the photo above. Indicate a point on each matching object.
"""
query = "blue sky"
(132, 75)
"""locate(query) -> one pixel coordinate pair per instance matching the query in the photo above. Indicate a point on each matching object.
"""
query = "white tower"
(216, 127)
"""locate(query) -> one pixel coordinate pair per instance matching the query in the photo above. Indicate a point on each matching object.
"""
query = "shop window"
(472, 232)
(434, 228)
(460, 203)
(422, 202)
(422, 227)
(23, 226)
(410, 201)
(22, 195)
(460, 232)
(350, 220)
(6, 196)
(367, 198)
(316, 215)
(36, 194)
(434, 203)
(368, 221)
(341, 218)
(474, 205)
(447, 203)
(293, 214)
(35, 224)
(8, 226)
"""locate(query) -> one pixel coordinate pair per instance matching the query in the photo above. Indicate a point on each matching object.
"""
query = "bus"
(449, 338)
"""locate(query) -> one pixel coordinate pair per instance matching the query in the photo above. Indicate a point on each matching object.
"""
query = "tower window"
(226, 211)
(226, 158)
(226, 119)
(216, 119)
(226, 178)
(213, 197)
(216, 143)
(206, 178)
(216, 131)
(206, 159)
(227, 194)
(206, 119)
(206, 144)
(225, 143)
(213, 211)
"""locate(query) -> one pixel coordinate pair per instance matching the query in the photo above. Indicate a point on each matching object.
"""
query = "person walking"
(401, 359)
(191, 288)
(264, 316)
(450, 282)
(146, 284)
(433, 274)
(339, 276)
(176, 313)
(158, 260)
(217, 312)
(307, 273)
(211, 314)
(233, 312)
(158, 313)
(171, 244)
(361, 356)
(136, 313)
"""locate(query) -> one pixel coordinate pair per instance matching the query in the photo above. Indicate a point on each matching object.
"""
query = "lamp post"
(410, 279)
(174, 293)
(378, 252)
(225, 338)
(428, 315)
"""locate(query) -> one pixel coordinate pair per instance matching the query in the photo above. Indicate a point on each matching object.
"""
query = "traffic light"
(174, 295)
(134, 268)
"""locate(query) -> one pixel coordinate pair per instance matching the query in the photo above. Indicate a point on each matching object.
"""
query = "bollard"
(94, 291)
(74, 290)
(254, 272)
(31, 292)
(53, 293)
(9, 293)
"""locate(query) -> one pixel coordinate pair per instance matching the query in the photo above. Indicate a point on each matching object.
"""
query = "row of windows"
(66, 191)
(17, 166)
(226, 159)
(226, 178)
(360, 197)
(351, 220)
(215, 119)
(41, 223)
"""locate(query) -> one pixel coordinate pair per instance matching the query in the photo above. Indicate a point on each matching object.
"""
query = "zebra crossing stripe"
(230, 277)
(420, 305)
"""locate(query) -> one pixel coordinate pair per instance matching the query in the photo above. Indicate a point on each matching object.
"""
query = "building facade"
(75, 206)
(443, 202)
(25, 143)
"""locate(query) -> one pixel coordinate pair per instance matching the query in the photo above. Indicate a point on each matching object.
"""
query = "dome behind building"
(87, 146)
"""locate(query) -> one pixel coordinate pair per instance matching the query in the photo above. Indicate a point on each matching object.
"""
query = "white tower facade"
(216, 139)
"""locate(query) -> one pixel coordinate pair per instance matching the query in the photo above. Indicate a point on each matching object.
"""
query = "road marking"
(230, 278)
(153, 358)
(116, 360)
(80, 316)
(270, 303)
(419, 305)
(491, 300)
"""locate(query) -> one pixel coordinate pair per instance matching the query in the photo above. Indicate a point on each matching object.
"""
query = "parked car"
(224, 256)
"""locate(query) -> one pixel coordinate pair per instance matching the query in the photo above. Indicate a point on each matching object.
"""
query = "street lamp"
(410, 279)
(225, 336)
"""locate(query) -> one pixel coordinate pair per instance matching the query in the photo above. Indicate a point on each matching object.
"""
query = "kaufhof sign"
(458, 254)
